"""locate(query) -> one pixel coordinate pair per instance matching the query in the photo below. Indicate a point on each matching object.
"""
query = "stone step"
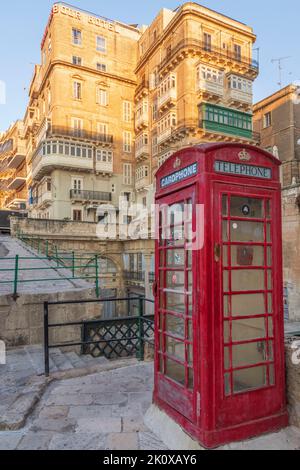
(89, 360)
(60, 359)
(76, 361)
(35, 356)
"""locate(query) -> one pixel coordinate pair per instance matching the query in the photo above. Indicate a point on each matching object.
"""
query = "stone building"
(13, 191)
(110, 102)
(277, 119)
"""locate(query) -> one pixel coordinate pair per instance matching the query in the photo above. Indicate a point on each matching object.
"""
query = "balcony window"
(240, 84)
(225, 120)
(207, 42)
(237, 50)
(77, 90)
(76, 37)
(104, 156)
(77, 215)
(127, 141)
(102, 97)
(210, 74)
(101, 44)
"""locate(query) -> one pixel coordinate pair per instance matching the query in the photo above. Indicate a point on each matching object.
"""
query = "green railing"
(80, 267)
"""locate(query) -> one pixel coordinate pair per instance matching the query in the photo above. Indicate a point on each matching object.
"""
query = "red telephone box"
(219, 362)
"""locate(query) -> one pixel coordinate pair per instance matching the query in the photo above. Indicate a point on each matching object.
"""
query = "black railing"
(60, 131)
(226, 54)
(90, 195)
(120, 337)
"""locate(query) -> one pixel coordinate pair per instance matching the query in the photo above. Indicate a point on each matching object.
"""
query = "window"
(77, 125)
(267, 120)
(76, 37)
(102, 129)
(237, 52)
(127, 141)
(235, 122)
(240, 84)
(142, 172)
(207, 42)
(77, 215)
(104, 156)
(76, 60)
(101, 67)
(127, 173)
(210, 74)
(167, 122)
(102, 97)
(77, 184)
(101, 44)
(154, 145)
(77, 90)
(127, 111)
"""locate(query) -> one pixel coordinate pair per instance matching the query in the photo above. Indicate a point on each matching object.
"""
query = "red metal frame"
(208, 412)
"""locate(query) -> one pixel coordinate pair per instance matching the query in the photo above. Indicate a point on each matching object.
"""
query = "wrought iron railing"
(115, 338)
(90, 195)
(60, 131)
(226, 54)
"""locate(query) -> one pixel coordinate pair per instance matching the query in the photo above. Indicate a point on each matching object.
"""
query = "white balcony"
(142, 121)
(45, 200)
(43, 165)
(239, 96)
(167, 98)
(142, 152)
(209, 89)
(164, 135)
(105, 167)
(142, 183)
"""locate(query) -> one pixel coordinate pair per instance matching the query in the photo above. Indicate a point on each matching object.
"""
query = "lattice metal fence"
(121, 337)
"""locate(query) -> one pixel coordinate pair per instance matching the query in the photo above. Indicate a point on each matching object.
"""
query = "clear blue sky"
(22, 23)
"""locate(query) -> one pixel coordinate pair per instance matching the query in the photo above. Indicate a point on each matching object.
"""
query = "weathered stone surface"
(54, 412)
(78, 412)
(55, 425)
(10, 440)
(134, 425)
(69, 400)
(35, 441)
(78, 441)
(112, 398)
(148, 441)
(100, 424)
(123, 441)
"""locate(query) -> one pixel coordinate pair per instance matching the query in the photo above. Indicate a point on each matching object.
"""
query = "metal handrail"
(47, 326)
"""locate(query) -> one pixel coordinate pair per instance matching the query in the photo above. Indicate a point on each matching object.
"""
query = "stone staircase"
(60, 361)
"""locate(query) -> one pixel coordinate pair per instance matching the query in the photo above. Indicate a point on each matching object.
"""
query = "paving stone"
(92, 411)
(54, 412)
(78, 441)
(9, 440)
(69, 400)
(100, 424)
(112, 398)
(35, 441)
(127, 411)
(55, 425)
(133, 425)
(122, 441)
(148, 441)
(15, 416)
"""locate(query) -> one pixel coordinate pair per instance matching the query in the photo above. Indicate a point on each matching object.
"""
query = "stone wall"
(21, 321)
(293, 379)
(291, 251)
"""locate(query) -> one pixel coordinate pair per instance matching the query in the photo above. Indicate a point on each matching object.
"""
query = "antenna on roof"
(280, 68)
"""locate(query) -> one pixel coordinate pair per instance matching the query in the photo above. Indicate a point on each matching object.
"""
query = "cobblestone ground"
(105, 411)
(9, 248)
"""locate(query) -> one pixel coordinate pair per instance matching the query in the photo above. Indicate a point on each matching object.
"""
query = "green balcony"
(222, 120)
